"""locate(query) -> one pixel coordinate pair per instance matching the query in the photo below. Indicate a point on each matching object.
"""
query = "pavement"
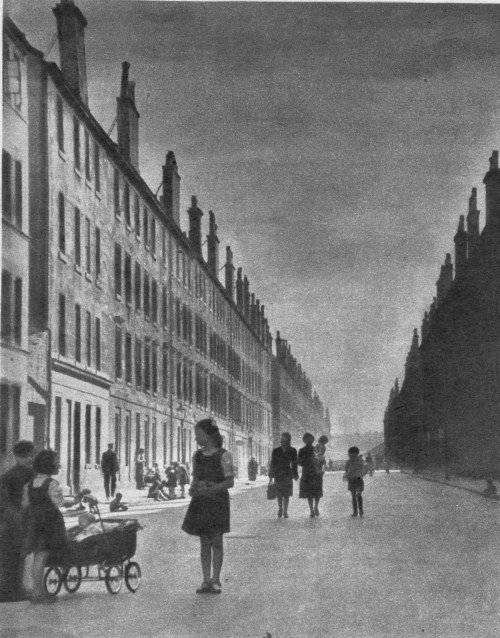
(476, 486)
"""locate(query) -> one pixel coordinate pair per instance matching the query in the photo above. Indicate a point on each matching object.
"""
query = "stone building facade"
(447, 413)
(133, 337)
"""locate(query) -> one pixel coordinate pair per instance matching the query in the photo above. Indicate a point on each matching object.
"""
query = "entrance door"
(37, 413)
(76, 447)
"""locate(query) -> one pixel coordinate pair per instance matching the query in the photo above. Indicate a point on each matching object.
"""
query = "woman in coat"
(283, 469)
(311, 481)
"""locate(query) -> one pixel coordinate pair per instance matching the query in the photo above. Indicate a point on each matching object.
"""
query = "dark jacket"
(109, 462)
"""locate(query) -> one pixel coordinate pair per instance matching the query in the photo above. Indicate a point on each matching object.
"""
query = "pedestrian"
(117, 505)
(139, 468)
(311, 482)
(355, 469)
(491, 489)
(45, 530)
(283, 471)
(208, 514)
(171, 481)
(182, 477)
(11, 524)
(369, 464)
(109, 468)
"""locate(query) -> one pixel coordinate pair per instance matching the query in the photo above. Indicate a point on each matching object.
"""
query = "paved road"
(423, 562)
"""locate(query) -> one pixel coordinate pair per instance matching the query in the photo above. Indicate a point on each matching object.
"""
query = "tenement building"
(115, 325)
(447, 412)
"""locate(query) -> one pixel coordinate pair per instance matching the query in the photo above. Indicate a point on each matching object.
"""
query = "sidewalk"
(476, 486)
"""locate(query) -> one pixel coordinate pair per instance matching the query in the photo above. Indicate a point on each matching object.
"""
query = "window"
(137, 216)
(154, 366)
(78, 333)
(116, 193)
(164, 246)
(164, 306)
(98, 422)
(138, 363)
(12, 189)
(154, 440)
(78, 238)
(154, 301)
(76, 142)
(97, 343)
(137, 286)
(165, 371)
(88, 433)
(126, 197)
(153, 235)
(97, 252)
(146, 294)
(60, 122)
(97, 168)
(62, 325)
(10, 414)
(118, 270)
(12, 304)
(128, 358)
(128, 279)
(62, 225)
(118, 352)
(57, 434)
(146, 227)
(147, 365)
(87, 155)
(87, 245)
(88, 337)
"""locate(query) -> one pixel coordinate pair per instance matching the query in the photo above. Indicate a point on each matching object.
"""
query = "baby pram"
(104, 555)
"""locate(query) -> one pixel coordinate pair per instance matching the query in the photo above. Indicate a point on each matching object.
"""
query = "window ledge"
(138, 238)
(98, 282)
(128, 227)
(78, 269)
(88, 183)
(62, 154)
(77, 172)
(129, 304)
(88, 276)
(62, 256)
(153, 255)
(118, 297)
(98, 194)
(118, 216)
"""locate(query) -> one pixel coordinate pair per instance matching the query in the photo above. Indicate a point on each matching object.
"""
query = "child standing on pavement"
(354, 471)
(208, 514)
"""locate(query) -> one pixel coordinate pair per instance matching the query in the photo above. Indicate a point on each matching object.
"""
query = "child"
(491, 489)
(320, 454)
(208, 513)
(116, 504)
(354, 471)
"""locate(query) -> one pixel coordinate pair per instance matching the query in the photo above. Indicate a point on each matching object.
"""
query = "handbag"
(271, 491)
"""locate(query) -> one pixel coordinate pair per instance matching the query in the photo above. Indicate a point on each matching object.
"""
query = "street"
(424, 561)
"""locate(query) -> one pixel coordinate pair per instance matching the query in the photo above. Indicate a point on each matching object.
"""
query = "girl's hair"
(308, 438)
(353, 450)
(210, 428)
(323, 439)
(287, 435)
(46, 462)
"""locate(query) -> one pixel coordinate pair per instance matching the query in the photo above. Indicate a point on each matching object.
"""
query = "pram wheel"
(72, 579)
(52, 581)
(113, 579)
(132, 576)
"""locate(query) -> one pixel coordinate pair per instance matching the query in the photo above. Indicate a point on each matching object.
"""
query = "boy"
(354, 471)
(116, 504)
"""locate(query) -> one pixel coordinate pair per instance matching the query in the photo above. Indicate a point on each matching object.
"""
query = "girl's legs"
(354, 503)
(206, 557)
(310, 500)
(38, 572)
(285, 506)
(280, 506)
(316, 503)
(360, 503)
(218, 556)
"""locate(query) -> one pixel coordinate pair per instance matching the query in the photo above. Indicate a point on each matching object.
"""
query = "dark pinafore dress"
(208, 515)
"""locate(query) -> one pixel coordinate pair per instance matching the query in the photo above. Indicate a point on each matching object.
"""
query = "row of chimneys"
(70, 28)
(289, 362)
(466, 241)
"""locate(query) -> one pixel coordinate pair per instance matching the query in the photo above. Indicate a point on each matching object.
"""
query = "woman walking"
(45, 530)
(283, 468)
(208, 514)
(311, 481)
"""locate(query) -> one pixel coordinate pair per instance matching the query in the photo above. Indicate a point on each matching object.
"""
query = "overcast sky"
(336, 144)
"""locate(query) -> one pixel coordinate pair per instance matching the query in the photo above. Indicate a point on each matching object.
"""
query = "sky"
(336, 143)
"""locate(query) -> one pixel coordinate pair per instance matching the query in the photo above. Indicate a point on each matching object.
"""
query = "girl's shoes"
(205, 588)
(285, 515)
(316, 511)
(280, 513)
(216, 587)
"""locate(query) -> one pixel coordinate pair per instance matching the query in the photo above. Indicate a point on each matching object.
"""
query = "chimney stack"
(229, 272)
(213, 245)
(195, 214)
(239, 291)
(246, 298)
(472, 223)
(460, 248)
(492, 183)
(445, 279)
(171, 188)
(71, 35)
(127, 119)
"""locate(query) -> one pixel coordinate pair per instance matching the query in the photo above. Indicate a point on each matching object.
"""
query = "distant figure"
(109, 468)
(311, 483)
(320, 454)
(139, 469)
(355, 469)
(171, 482)
(369, 464)
(182, 477)
(491, 489)
(116, 504)
(11, 528)
(283, 470)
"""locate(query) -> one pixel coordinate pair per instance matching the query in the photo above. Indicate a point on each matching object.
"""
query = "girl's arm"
(227, 483)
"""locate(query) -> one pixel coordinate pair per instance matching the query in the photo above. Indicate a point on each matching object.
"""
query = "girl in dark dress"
(208, 512)
(311, 483)
(283, 469)
(45, 529)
